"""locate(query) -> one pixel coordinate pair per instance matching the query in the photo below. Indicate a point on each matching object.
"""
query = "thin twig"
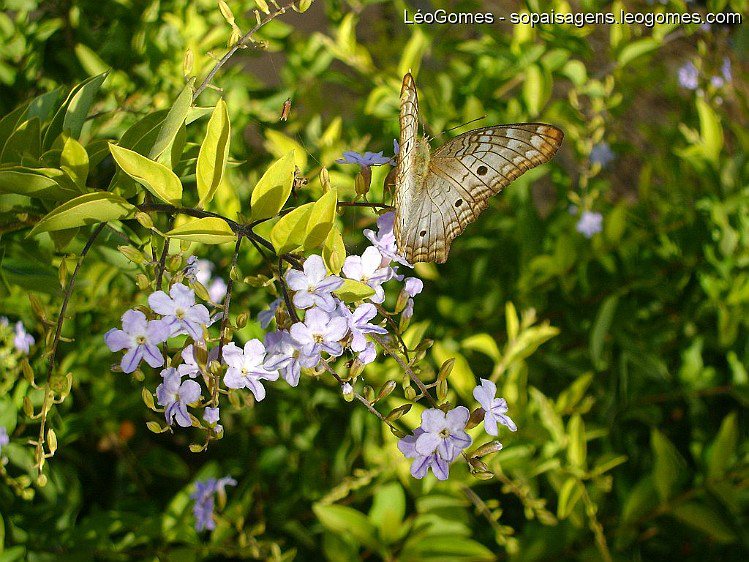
(358, 396)
(406, 367)
(285, 290)
(241, 43)
(227, 301)
(365, 204)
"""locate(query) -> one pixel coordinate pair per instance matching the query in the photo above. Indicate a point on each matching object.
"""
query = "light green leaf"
(636, 49)
(172, 124)
(273, 189)
(352, 291)
(388, 510)
(74, 161)
(157, 178)
(213, 155)
(289, 232)
(208, 230)
(339, 519)
(334, 251)
(711, 131)
(441, 548)
(91, 208)
(90, 60)
(461, 377)
(535, 89)
(569, 495)
(280, 145)
(72, 114)
(483, 343)
(576, 446)
(321, 220)
(33, 183)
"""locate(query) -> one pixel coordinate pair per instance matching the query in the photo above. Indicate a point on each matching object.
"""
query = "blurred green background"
(622, 353)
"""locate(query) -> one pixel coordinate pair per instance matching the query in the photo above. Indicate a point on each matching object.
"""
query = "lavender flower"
(180, 311)
(368, 354)
(287, 356)
(444, 433)
(22, 341)
(313, 286)
(268, 314)
(211, 415)
(320, 332)
(422, 463)
(246, 367)
(217, 290)
(590, 223)
(204, 500)
(495, 409)
(140, 337)
(688, 76)
(358, 324)
(364, 160)
(725, 69)
(602, 154)
(368, 269)
(175, 395)
(384, 240)
(4, 439)
(190, 366)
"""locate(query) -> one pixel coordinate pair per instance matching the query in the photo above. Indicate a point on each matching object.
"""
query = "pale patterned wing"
(463, 174)
(405, 179)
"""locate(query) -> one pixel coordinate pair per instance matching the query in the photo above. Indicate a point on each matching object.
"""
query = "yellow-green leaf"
(172, 124)
(334, 251)
(213, 153)
(569, 495)
(288, 233)
(208, 230)
(352, 291)
(91, 208)
(711, 131)
(74, 161)
(273, 189)
(576, 446)
(33, 183)
(321, 220)
(155, 177)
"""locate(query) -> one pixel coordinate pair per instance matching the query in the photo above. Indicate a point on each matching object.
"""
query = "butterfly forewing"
(433, 206)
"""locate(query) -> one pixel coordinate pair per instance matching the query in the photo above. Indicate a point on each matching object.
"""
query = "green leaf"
(91, 208)
(536, 89)
(636, 49)
(483, 343)
(705, 519)
(32, 275)
(441, 548)
(273, 189)
(576, 446)
(388, 510)
(667, 465)
(213, 155)
(601, 326)
(711, 132)
(342, 520)
(90, 61)
(723, 447)
(569, 495)
(31, 182)
(288, 233)
(25, 142)
(334, 251)
(172, 124)
(353, 291)
(74, 161)
(208, 230)
(321, 220)
(72, 114)
(461, 377)
(642, 499)
(157, 178)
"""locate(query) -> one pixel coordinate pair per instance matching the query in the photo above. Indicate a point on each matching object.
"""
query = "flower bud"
(325, 180)
(476, 418)
(487, 449)
(348, 391)
(133, 254)
(363, 181)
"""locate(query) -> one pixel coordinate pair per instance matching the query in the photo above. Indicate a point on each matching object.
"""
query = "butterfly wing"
(462, 175)
(405, 179)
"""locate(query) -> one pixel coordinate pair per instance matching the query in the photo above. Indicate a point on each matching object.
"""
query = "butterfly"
(438, 194)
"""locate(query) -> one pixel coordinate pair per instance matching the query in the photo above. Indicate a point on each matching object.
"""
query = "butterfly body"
(438, 194)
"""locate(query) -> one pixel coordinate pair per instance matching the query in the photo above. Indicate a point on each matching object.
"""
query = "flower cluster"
(22, 340)
(4, 439)
(204, 494)
(589, 223)
(442, 436)
(202, 272)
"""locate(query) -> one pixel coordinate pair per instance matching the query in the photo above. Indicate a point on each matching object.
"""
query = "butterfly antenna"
(463, 124)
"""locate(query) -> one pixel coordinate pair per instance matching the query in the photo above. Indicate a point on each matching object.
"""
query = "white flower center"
(180, 313)
(140, 340)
